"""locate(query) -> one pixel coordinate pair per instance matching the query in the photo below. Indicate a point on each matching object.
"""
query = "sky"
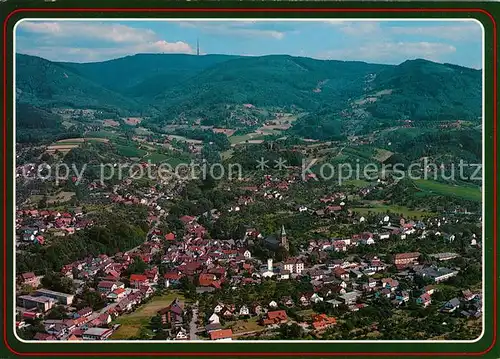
(388, 42)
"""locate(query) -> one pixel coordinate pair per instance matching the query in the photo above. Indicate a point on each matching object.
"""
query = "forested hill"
(275, 80)
(145, 75)
(426, 90)
(47, 83)
(202, 86)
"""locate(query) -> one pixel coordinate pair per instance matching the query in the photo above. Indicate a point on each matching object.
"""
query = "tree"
(28, 333)
(291, 331)
(42, 204)
(57, 312)
(156, 323)
(91, 298)
(58, 282)
(138, 266)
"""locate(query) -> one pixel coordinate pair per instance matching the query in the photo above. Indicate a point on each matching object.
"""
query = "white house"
(384, 235)
(181, 335)
(214, 319)
(244, 311)
(368, 241)
(315, 298)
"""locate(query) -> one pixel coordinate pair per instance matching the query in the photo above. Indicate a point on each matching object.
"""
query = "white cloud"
(336, 22)
(83, 54)
(360, 28)
(466, 31)
(234, 28)
(90, 30)
(392, 52)
(92, 41)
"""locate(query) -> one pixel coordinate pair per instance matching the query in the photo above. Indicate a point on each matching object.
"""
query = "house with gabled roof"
(424, 300)
(275, 317)
(30, 279)
(138, 280)
(221, 335)
(322, 322)
(451, 306)
(173, 313)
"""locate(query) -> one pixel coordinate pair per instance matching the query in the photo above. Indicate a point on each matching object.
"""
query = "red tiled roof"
(406, 255)
(119, 291)
(28, 275)
(138, 278)
(105, 284)
(173, 276)
(29, 315)
(170, 236)
(221, 334)
(277, 314)
(425, 297)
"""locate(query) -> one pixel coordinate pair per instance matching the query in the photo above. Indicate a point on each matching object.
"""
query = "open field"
(241, 138)
(173, 160)
(227, 154)
(382, 155)
(85, 139)
(182, 138)
(245, 325)
(105, 134)
(141, 131)
(66, 145)
(306, 314)
(61, 148)
(129, 151)
(110, 123)
(155, 157)
(133, 322)
(59, 197)
(227, 131)
(433, 187)
(252, 137)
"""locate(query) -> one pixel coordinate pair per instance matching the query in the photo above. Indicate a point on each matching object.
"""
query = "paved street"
(192, 325)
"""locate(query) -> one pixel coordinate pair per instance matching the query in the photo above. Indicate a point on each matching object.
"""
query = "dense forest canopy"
(334, 94)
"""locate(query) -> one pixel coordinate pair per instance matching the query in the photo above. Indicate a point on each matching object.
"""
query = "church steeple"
(283, 238)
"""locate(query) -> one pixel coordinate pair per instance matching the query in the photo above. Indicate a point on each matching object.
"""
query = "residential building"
(138, 280)
(173, 313)
(424, 299)
(451, 305)
(30, 279)
(402, 260)
(39, 302)
(221, 335)
(437, 274)
(62, 298)
(97, 334)
(275, 317)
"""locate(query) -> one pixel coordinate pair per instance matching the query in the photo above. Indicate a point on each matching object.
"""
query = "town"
(181, 283)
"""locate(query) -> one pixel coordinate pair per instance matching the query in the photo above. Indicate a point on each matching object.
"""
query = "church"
(273, 242)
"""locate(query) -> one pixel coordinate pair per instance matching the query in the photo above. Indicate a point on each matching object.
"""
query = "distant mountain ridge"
(202, 86)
